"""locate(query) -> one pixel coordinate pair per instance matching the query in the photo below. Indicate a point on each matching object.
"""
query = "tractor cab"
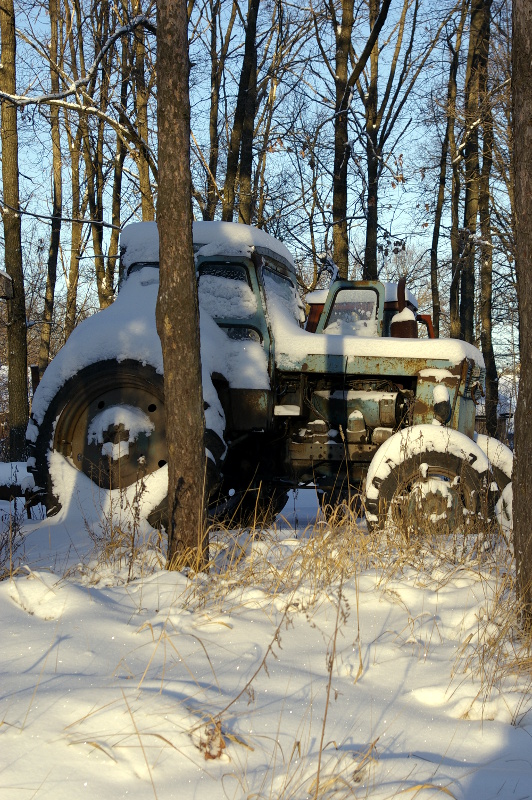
(366, 308)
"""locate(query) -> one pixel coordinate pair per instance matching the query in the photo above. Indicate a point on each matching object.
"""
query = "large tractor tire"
(431, 480)
(108, 420)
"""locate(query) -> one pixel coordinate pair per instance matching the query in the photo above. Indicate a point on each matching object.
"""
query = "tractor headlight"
(442, 403)
(242, 334)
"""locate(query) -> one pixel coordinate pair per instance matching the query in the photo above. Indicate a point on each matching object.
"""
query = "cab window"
(354, 313)
(225, 292)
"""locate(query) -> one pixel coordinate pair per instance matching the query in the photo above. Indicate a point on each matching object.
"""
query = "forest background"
(403, 168)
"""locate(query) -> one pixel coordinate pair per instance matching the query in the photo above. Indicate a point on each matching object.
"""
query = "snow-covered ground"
(306, 664)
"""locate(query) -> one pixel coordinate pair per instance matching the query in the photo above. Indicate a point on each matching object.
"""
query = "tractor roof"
(139, 242)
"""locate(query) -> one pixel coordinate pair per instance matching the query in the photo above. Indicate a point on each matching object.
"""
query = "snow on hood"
(139, 242)
(293, 344)
(224, 249)
(233, 234)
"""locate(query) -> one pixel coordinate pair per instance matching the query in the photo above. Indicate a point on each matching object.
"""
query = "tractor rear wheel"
(108, 421)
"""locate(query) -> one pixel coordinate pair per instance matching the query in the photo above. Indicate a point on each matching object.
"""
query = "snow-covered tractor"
(346, 399)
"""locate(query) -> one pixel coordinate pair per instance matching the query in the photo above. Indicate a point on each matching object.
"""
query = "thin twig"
(331, 659)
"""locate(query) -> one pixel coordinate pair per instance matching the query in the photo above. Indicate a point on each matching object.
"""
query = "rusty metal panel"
(313, 451)
(327, 463)
(250, 409)
(466, 419)
(462, 402)
(377, 408)
(424, 404)
(383, 366)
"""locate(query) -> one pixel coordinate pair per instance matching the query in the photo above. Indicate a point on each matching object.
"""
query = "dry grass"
(311, 568)
(123, 540)
(332, 553)
(11, 541)
(326, 555)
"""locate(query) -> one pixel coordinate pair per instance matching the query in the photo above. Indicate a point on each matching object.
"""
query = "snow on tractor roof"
(319, 296)
(139, 242)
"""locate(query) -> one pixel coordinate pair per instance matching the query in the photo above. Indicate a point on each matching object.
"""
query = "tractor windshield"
(354, 312)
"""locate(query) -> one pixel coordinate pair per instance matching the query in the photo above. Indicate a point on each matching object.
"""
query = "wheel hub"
(114, 433)
(431, 503)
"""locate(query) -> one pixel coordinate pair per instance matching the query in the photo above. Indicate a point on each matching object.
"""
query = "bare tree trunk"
(403, 70)
(177, 306)
(434, 283)
(522, 113)
(16, 307)
(73, 274)
(57, 192)
(74, 149)
(214, 135)
(141, 102)
(120, 155)
(342, 148)
(75, 235)
(370, 271)
(486, 246)
(93, 153)
(456, 246)
(260, 181)
(103, 29)
(472, 171)
(345, 84)
(249, 64)
(451, 114)
(217, 68)
(91, 143)
(246, 204)
(104, 296)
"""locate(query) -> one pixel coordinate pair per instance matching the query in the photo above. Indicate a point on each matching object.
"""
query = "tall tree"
(476, 65)
(383, 110)
(346, 75)
(344, 83)
(16, 307)
(141, 102)
(455, 239)
(239, 142)
(448, 137)
(486, 243)
(177, 306)
(78, 207)
(57, 193)
(522, 119)
(218, 60)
